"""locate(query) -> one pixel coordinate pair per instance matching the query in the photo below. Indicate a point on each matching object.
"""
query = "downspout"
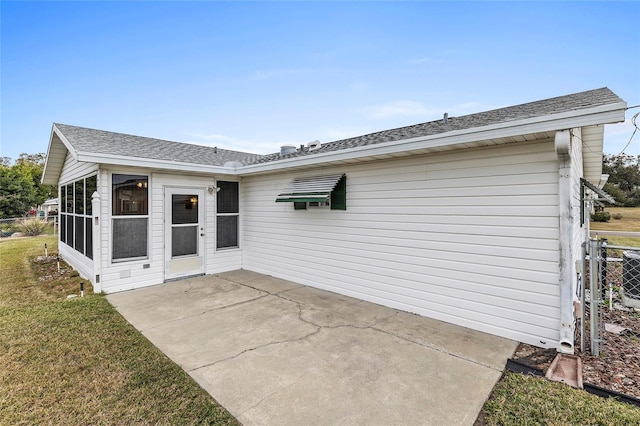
(567, 327)
(97, 257)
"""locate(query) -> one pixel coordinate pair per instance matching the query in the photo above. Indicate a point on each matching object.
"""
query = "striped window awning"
(309, 189)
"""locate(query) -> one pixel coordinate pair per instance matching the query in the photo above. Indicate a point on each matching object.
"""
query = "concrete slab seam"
(205, 312)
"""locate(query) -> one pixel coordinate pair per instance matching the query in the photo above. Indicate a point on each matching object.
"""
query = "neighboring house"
(473, 220)
(50, 207)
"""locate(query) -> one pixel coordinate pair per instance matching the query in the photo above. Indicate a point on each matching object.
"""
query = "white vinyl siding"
(469, 237)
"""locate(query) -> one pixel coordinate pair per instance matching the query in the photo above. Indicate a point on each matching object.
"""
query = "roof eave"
(151, 163)
(604, 114)
(52, 168)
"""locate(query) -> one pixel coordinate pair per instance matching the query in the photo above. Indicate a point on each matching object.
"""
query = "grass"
(77, 361)
(527, 400)
(630, 221)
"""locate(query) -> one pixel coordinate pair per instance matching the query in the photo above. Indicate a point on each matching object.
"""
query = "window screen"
(228, 208)
(227, 228)
(228, 197)
(129, 238)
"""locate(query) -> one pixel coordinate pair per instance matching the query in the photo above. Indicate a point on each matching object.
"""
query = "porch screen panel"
(78, 242)
(88, 238)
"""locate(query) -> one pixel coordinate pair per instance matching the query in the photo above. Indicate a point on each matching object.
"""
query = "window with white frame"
(228, 212)
(129, 217)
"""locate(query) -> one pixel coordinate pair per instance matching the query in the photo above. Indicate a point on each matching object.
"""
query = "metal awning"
(600, 192)
(309, 189)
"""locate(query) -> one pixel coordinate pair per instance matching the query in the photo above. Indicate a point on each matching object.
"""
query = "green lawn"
(527, 400)
(630, 220)
(77, 361)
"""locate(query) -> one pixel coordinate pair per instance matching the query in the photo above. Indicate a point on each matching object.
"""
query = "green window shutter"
(339, 195)
(299, 205)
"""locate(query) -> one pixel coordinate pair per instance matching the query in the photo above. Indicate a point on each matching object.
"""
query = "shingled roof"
(102, 142)
(99, 145)
(573, 102)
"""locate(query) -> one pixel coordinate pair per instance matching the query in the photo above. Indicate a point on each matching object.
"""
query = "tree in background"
(20, 187)
(624, 178)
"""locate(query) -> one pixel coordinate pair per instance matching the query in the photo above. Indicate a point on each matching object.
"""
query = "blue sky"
(254, 75)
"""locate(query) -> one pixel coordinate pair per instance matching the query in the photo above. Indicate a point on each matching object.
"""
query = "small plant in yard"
(32, 227)
(617, 216)
(601, 217)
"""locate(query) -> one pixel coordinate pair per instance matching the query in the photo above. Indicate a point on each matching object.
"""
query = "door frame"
(189, 265)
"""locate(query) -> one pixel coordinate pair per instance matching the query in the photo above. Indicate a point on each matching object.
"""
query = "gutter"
(604, 114)
(567, 328)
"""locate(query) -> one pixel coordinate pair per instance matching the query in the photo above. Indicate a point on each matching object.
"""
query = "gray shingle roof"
(111, 143)
(102, 142)
(576, 101)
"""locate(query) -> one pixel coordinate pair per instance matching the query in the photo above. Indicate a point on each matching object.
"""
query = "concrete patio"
(275, 352)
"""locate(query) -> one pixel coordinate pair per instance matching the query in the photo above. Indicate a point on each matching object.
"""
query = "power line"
(633, 121)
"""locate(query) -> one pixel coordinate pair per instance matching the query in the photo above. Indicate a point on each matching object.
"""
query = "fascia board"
(599, 115)
(46, 171)
(151, 163)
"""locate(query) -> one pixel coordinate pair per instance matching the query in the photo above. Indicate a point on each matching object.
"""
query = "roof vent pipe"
(445, 119)
(287, 149)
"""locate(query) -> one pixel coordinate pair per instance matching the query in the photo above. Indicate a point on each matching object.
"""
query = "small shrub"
(601, 217)
(32, 227)
(617, 216)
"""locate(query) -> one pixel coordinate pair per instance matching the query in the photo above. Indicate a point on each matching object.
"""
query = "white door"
(184, 232)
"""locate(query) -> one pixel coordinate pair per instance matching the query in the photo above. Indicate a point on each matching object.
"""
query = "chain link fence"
(612, 275)
(11, 226)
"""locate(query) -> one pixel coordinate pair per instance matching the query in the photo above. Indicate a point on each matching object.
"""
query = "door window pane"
(184, 240)
(227, 231)
(184, 209)
(129, 238)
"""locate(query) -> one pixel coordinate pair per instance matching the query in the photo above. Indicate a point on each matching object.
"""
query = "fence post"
(603, 268)
(583, 290)
(594, 309)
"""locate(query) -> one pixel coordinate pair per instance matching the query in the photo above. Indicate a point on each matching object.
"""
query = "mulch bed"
(618, 366)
